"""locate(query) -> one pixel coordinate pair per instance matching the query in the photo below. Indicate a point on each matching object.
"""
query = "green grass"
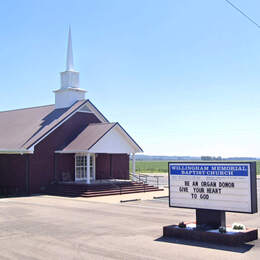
(162, 166)
(258, 167)
(150, 166)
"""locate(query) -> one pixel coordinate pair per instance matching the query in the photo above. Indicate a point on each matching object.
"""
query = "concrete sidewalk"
(116, 199)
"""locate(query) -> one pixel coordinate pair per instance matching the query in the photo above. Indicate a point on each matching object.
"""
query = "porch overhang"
(102, 138)
(73, 151)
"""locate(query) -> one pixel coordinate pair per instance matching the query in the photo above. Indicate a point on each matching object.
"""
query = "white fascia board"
(87, 151)
(10, 151)
(69, 89)
(90, 106)
(96, 112)
(129, 139)
(87, 112)
(73, 151)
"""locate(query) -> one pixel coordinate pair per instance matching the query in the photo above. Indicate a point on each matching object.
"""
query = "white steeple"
(69, 91)
(70, 77)
(69, 53)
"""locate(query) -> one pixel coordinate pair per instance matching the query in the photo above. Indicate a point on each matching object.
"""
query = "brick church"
(70, 141)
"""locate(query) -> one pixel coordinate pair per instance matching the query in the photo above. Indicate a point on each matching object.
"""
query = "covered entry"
(101, 151)
(84, 166)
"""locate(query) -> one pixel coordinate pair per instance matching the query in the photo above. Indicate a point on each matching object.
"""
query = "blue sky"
(182, 77)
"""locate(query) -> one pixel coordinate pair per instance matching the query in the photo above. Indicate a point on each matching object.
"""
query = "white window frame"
(84, 167)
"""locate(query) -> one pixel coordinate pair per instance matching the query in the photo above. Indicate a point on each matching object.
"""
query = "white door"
(81, 167)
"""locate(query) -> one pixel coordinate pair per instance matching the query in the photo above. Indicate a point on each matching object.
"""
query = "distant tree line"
(142, 157)
(211, 158)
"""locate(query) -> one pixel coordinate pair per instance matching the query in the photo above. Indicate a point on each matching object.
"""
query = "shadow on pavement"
(239, 249)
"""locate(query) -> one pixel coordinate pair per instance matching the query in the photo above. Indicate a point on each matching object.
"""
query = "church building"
(70, 141)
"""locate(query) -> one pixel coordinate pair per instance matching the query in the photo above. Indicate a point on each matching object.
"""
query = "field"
(150, 166)
(162, 166)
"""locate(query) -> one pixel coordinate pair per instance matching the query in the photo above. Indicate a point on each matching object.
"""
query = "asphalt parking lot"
(45, 227)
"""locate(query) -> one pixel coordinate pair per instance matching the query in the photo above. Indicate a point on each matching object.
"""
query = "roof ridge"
(25, 108)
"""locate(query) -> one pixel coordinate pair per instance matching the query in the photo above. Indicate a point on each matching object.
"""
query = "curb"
(122, 201)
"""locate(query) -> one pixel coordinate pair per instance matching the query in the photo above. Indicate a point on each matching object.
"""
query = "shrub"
(222, 229)
(237, 226)
(182, 225)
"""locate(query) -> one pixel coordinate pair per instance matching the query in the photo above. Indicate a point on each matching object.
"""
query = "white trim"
(73, 151)
(121, 132)
(88, 168)
(133, 163)
(96, 112)
(75, 171)
(69, 88)
(88, 112)
(114, 141)
(103, 120)
(10, 151)
(129, 139)
(94, 166)
(116, 132)
(85, 109)
(84, 151)
(73, 113)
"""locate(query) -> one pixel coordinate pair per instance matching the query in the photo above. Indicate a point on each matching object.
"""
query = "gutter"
(19, 151)
(72, 151)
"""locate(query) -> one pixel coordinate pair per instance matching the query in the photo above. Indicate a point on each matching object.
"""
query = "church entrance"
(82, 162)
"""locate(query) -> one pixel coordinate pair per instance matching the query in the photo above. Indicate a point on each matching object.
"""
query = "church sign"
(225, 186)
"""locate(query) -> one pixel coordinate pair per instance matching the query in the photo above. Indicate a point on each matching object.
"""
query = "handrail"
(143, 178)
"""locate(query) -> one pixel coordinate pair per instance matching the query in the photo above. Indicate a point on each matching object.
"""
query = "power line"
(244, 14)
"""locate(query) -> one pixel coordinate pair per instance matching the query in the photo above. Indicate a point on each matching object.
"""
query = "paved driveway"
(43, 227)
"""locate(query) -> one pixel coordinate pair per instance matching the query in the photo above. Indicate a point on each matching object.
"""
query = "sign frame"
(253, 183)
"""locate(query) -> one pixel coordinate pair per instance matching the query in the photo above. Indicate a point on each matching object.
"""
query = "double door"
(81, 167)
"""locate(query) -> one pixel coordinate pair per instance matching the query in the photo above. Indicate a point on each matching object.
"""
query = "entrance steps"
(95, 190)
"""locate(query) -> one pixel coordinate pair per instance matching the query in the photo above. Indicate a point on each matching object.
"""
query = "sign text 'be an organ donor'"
(218, 186)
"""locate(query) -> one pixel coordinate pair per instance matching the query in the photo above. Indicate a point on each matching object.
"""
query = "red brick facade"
(44, 166)
(13, 170)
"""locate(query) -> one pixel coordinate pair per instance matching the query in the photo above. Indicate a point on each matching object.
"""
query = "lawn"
(162, 166)
(150, 166)
(258, 167)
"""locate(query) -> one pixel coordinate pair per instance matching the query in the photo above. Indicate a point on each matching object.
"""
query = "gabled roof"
(94, 134)
(22, 129)
(88, 137)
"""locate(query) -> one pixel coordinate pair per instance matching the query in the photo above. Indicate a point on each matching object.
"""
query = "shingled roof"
(88, 137)
(92, 134)
(20, 129)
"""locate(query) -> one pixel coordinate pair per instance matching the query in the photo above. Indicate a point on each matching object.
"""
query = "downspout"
(28, 183)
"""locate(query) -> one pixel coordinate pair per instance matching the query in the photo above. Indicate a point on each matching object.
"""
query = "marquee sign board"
(226, 186)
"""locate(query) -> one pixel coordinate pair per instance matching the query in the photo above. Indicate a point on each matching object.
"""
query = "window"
(81, 167)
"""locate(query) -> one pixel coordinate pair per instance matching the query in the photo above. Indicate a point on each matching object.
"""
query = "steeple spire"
(70, 77)
(69, 91)
(69, 53)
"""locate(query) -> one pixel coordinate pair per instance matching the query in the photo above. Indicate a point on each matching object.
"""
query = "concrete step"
(84, 190)
(125, 189)
(96, 189)
(97, 194)
(101, 193)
